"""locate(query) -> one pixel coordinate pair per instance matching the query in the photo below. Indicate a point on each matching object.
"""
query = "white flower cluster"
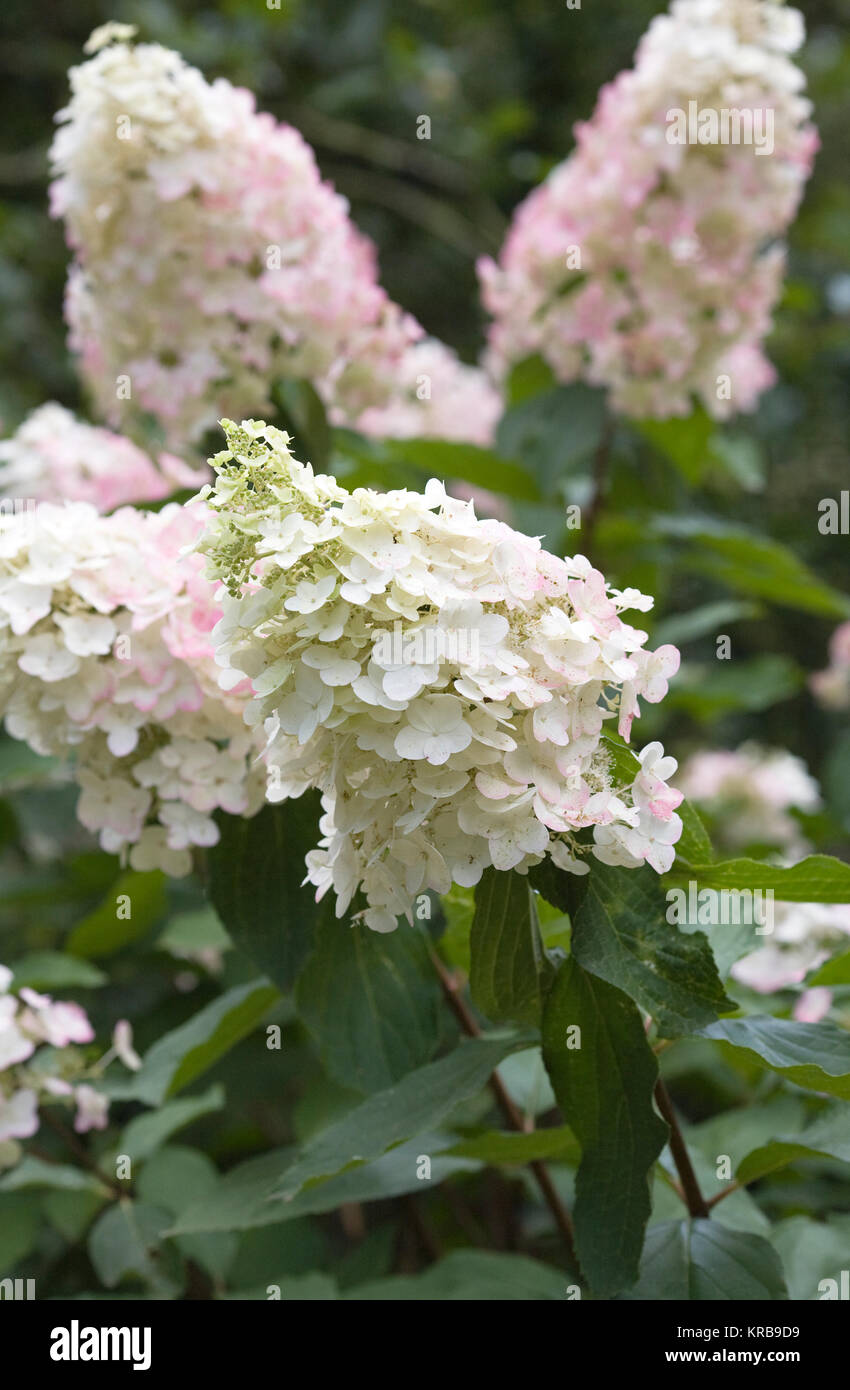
(648, 261)
(54, 457)
(105, 653)
(436, 758)
(31, 1024)
(211, 260)
(750, 793)
(437, 397)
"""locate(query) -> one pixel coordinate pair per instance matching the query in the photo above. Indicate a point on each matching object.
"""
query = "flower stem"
(513, 1116)
(694, 1200)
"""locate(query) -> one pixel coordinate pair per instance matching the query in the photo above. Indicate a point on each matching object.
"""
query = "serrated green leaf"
(418, 1102)
(818, 879)
(509, 969)
(703, 1261)
(372, 1002)
(496, 1147)
(604, 1088)
(256, 873)
(243, 1199)
(621, 934)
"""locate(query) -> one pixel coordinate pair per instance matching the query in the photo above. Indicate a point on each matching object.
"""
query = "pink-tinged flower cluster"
(438, 397)
(750, 794)
(54, 457)
(832, 686)
(34, 1031)
(651, 267)
(210, 258)
(443, 680)
(105, 654)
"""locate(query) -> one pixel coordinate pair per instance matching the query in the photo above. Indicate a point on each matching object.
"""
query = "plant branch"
(727, 1192)
(510, 1111)
(694, 1200)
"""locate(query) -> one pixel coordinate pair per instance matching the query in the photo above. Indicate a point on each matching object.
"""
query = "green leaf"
(419, 1101)
(708, 690)
(813, 1055)
(188, 932)
(554, 433)
(509, 968)
(372, 1002)
(243, 1199)
(817, 879)
(176, 1176)
(693, 844)
(604, 1087)
(709, 618)
(144, 1134)
(529, 378)
(109, 929)
(496, 1147)
(685, 442)
(38, 1173)
(621, 934)
(752, 564)
(255, 875)
(52, 970)
(703, 1261)
(471, 1275)
(812, 1251)
(180, 1056)
(303, 415)
(450, 459)
(833, 972)
(19, 1228)
(123, 1243)
(828, 1137)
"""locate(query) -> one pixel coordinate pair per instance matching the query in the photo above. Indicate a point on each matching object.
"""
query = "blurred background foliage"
(503, 82)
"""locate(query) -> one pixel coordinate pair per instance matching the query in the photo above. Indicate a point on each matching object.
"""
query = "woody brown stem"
(694, 1200)
(511, 1113)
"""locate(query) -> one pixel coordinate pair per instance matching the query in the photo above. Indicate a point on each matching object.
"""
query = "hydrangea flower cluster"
(105, 652)
(438, 397)
(34, 1030)
(750, 793)
(211, 260)
(651, 267)
(442, 679)
(832, 686)
(55, 457)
